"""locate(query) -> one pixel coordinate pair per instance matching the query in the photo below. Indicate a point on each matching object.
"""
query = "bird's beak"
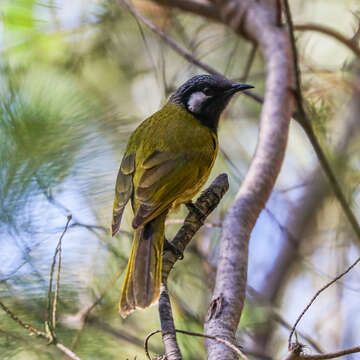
(239, 87)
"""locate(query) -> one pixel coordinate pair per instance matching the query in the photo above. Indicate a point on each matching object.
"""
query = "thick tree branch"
(258, 22)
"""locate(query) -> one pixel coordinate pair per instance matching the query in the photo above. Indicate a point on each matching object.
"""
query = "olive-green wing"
(164, 177)
(123, 190)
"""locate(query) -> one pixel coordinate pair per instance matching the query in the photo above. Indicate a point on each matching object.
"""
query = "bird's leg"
(168, 246)
(195, 210)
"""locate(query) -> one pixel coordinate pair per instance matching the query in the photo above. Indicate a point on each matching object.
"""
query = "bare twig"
(331, 355)
(174, 45)
(350, 43)
(191, 333)
(296, 353)
(249, 62)
(51, 314)
(316, 295)
(22, 323)
(39, 333)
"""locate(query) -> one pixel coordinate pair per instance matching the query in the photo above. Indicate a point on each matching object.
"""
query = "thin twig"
(51, 317)
(296, 353)
(331, 355)
(22, 323)
(56, 295)
(191, 333)
(305, 122)
(316, 295)
(174, 45)
(39, 333)
(352, 45)
(250, 62)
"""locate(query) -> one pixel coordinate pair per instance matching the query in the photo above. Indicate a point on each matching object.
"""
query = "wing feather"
(123, 190)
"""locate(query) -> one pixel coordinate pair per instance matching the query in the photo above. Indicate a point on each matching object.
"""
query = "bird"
(167, 160)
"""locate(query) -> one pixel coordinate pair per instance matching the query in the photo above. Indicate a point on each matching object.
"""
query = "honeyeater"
(167, 160)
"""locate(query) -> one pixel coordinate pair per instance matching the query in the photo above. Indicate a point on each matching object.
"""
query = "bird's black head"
(206, 96)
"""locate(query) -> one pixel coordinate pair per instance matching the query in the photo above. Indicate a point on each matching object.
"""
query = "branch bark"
(257, 21)
(205, 204)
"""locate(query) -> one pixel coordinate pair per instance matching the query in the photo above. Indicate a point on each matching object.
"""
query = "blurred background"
(76, 78)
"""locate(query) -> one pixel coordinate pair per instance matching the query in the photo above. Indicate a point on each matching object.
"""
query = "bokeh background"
(76, 77)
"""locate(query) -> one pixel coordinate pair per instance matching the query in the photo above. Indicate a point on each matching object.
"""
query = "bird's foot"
(168, 246)
(195, 210)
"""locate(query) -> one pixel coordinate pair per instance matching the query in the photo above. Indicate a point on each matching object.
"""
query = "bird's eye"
(207, 91)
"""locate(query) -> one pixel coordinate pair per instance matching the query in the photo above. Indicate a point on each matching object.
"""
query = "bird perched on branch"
(167, 160)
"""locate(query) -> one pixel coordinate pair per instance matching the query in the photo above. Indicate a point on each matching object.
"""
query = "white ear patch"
(196, 100)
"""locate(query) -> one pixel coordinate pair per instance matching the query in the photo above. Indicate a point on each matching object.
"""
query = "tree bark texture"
(257, 21)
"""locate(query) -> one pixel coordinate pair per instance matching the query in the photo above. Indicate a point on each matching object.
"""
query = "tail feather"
(142, 281)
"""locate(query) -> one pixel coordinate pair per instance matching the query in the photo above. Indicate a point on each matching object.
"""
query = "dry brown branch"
(316, 295)
(191, 333)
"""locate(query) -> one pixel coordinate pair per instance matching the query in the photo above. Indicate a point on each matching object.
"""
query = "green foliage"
(44, 118)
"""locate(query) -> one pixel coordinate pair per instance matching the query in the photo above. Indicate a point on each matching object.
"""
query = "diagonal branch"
(206, 203)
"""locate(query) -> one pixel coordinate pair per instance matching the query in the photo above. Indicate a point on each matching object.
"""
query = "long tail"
(141, 286)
